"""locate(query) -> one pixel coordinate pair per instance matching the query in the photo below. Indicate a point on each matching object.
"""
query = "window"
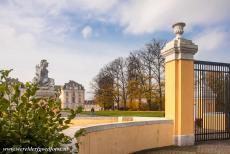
(79, 100)
(73, 99)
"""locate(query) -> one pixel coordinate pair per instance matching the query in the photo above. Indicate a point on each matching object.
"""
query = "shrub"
(27, 121)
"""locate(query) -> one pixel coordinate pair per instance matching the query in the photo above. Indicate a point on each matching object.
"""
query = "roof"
(73, 85)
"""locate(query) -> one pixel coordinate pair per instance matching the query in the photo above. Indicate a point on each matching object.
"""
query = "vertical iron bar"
(214, 114)
(204, 101)
(212, 100)
(228, 109)
(222, 99)
(200, 102)
(218, 121)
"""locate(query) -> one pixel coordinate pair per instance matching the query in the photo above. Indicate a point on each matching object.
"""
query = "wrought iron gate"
(212, 100)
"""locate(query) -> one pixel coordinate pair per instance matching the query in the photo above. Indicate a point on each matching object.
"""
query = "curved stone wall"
(127, 137)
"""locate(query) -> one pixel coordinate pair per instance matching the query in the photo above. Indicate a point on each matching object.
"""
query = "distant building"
(89, 104)
(72, 95)
(15, 81)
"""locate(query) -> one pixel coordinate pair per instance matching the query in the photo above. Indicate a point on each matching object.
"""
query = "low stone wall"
(127, 137)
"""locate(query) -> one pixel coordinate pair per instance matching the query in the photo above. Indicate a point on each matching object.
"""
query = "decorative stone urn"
(178, 29)
(179, 47)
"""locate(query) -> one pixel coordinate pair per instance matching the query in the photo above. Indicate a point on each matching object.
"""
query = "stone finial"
(178, 29)
(179, 48)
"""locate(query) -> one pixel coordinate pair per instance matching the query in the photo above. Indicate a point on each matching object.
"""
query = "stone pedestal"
(45, 92)
(179, 86)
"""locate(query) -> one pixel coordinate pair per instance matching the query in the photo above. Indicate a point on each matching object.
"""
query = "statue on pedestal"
(45, 84)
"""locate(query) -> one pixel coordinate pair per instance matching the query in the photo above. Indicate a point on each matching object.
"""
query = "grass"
(128, 113)
(85, 122)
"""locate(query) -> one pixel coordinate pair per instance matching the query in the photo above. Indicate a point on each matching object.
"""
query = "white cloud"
(134, 16)
(69, 59)
(87, 32)
(96, 6)
(210, 39)
(12, 42)
(145, 16)
(37, 29)
(41, 29)
(212, 45)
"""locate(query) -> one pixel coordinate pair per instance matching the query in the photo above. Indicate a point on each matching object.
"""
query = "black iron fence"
(212, 100)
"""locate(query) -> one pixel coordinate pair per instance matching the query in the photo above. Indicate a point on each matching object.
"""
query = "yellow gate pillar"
(179, 85)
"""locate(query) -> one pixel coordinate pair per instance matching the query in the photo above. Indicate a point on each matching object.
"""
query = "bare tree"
(117, 70)
(120, 65)
(113, 69)
(147, 62)
(153, 64)
(136, 83)
(140, 76)
(158, 69)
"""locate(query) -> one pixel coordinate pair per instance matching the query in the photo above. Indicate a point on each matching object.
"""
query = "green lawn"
(128, 113)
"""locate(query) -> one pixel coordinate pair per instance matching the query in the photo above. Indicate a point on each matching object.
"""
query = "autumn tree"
(118, 69)
(155, 48)
(218, 82)
(113, 69)
(103, 85)
(140, 77)
(136, 83)
(153, 65)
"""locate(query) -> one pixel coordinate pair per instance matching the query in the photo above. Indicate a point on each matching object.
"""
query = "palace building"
(72, 95)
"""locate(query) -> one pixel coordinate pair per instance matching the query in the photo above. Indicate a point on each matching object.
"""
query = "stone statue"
(41, 78)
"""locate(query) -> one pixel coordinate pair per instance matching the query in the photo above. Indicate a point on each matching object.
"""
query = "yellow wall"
(204, 106)
(214, 121)
(170, 89)
(179, 95)
(127, 139)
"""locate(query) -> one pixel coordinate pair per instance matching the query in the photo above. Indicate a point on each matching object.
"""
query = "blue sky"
(78, 37)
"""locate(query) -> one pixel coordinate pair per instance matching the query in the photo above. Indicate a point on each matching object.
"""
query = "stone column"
(179, 85)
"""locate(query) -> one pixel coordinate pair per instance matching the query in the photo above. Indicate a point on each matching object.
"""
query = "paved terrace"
(91, 121)
(208, 147)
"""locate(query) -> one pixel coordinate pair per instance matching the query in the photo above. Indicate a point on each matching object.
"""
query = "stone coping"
(101, 127)
(116, 117)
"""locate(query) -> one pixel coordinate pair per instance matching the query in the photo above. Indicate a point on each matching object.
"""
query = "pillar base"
(184, 140)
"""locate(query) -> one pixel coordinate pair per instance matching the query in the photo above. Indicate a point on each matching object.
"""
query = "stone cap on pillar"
(179, 48)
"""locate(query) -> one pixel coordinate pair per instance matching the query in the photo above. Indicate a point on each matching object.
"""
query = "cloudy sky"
(78, 37)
